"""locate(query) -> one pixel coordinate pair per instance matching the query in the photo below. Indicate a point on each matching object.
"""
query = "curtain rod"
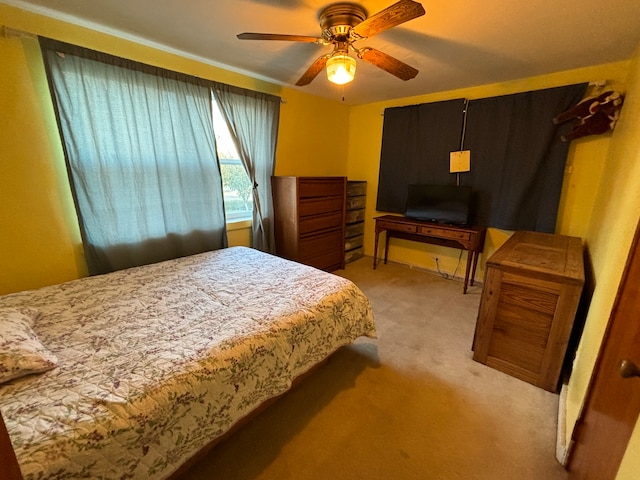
(9, 32)
(14, 33)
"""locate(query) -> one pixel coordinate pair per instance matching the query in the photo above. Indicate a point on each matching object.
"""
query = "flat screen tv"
(448, 204)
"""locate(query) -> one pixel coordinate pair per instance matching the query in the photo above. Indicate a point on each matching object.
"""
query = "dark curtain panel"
(416, 142)
(517, 157)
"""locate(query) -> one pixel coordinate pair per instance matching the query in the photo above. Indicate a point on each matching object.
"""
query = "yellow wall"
(586, 162)
(613, 222)
(40, 240)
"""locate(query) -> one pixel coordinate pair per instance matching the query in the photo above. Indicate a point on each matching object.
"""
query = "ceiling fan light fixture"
(342, 24)
(341, 69)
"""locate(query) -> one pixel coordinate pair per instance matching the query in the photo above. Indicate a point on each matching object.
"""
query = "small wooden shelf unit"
(354, 231)
(530, 296)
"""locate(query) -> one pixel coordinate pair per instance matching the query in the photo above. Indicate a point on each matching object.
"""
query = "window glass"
(238, 201)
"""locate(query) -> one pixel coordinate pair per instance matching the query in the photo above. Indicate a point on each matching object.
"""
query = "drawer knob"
(628, 369)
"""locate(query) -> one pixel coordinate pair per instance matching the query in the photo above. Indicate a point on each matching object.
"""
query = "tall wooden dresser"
(529, 300)
(309, 219)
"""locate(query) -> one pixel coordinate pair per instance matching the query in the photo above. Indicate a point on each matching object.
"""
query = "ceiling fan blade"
(275, 36)
(313, 71)
(398, 13)
(388, 63)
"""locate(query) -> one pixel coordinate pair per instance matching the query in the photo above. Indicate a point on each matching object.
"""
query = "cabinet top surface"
(547, 254)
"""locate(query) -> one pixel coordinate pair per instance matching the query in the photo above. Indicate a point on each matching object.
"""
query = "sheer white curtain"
(141, 157)
(253, 119)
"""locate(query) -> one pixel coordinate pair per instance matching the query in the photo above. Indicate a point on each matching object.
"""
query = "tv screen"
(447, 204)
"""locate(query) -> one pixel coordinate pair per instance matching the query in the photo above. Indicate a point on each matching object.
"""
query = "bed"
(145, 367)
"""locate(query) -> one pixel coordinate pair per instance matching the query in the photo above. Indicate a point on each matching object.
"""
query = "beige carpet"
(410, 405)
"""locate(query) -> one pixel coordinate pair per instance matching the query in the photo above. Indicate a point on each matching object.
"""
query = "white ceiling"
(458, 43)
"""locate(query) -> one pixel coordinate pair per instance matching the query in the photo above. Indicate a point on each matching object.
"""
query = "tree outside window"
(237, 191)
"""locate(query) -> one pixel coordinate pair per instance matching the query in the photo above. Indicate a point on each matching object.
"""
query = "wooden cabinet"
(354, 231)
(309, 220)
(529, 300)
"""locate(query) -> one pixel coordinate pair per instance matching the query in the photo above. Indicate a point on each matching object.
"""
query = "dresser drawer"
(355, 187)
(353, 242)
(356, 202)
(353, 216)
(328, 261)
(354, 229)
(320, 187)
(397, 227)
(351, 255)
(315, 206)
(316, 223)
(444, 233)
(325, 242)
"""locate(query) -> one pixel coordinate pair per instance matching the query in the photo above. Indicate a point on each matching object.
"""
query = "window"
(237, 191)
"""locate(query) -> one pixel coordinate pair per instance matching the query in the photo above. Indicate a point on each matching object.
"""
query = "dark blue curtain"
(517, 157)
(416, 141)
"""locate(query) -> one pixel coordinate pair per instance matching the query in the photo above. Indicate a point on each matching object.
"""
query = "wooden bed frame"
(7, 457)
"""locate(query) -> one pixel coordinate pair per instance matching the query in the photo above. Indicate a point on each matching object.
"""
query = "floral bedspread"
(156, 361)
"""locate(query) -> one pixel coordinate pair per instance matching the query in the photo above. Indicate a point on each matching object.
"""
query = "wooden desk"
(470, 239)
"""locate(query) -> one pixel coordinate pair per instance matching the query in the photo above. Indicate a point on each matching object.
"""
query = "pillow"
(21, 352)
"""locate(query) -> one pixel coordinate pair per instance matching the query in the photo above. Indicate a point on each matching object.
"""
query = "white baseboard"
(447, 276)
(562, 447)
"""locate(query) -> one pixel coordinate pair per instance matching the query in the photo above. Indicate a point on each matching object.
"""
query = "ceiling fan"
(342, 25)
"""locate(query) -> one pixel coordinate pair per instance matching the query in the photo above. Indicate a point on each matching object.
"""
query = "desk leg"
(475, 263)
(386, 247)
(466, 274)
(375, 250)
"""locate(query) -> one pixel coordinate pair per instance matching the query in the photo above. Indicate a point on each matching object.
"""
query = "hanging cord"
(464, 123)
(445, 275)
(464, 130)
